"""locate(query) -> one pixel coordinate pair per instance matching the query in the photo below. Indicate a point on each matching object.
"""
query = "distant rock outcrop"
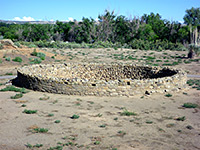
(8, 44)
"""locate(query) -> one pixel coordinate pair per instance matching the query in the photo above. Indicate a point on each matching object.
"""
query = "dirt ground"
(154, 122)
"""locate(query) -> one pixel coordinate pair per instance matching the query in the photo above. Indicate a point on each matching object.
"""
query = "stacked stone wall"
(101, 79)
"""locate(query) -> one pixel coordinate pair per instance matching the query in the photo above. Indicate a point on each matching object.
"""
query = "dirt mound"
(8, 44)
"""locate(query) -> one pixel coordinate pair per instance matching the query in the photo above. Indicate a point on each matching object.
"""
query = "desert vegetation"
(145, 32)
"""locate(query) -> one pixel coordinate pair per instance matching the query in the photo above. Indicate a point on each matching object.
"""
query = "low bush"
(34, 53)
(7, 58)
(17, 96)
(35, 60)
(127, 113)
(41, 130)
(26, 111)
(17, 59)
(17, 44)
(190, 105)
(12, 88)
(41, 55)
(75, 116)
(1, 46)
(157, 45)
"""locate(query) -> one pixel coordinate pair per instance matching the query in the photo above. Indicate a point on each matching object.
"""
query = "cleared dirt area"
(140, 122)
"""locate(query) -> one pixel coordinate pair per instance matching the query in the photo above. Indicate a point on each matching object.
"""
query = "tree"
(121, 30)
(155, 21)
(106, 26)
(145, 32)
(192, 18)
(62, 29)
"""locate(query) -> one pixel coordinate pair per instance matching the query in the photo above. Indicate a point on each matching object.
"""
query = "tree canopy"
(148, 29)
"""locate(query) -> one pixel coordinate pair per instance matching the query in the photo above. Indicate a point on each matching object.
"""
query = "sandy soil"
(153, 127)
(101, 124)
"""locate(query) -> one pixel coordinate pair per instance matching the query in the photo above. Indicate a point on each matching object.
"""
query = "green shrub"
(32, 45)
(149, 122)
(1, 46)
(41, 130)
(17, 44)
(17, 96)
(0, 61)
(97, 142)
(7, 58)
(34, 53)
(50, 115)
(17, 59)
(35, 60)
(9, 73)
(23, 105)
(12, 88)
(190, 105)
(127, 113)
(41, 55)
(194, 83)
(168, 95)
(157, 45)
(29, 111)
(181, 118)
(75, 116)
(57, 121)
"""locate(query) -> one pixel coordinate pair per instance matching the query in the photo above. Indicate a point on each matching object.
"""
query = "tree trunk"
(191, 54)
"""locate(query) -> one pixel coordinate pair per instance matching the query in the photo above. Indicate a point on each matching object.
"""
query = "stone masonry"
(100, 79)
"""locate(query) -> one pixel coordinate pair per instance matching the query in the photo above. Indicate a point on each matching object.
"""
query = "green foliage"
(192, 16)
(41, 55)
(1, 46)
(97, 142)
(12, 88)
(190, 105)
(102, 126)
(147, 32)
(0, 61)
(17, 44)
(155, 45)
(75, 116)
(50, 115)
(181, 118)
(17, 96)
(127, 113)
(17, 59)
(195, 83)
(35, 60)
(32, 146)
(168, 95)
(7, 58)
(41, 130)
(149, 122)
(23, 105)
(38, 54)
(34, 53)
(26, 111)
(57, 121)
(9, 73)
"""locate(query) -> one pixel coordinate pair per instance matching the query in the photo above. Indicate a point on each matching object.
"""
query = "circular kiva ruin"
(100, 79)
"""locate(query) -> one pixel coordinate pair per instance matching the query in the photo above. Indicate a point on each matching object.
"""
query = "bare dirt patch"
(101, 124)
(150, 122)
